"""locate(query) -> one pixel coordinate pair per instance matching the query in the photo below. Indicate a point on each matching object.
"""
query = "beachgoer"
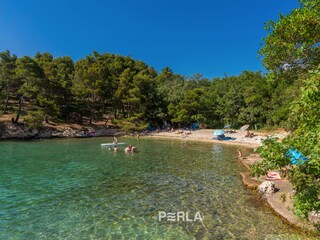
(133, 149)
(240, 154)
(115, 149)
(128, 149)
(248, 134)
(115, 140)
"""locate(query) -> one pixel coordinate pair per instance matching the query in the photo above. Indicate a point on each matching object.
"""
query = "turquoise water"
(74, 189)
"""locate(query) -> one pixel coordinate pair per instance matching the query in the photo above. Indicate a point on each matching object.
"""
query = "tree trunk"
(115, 113)
(7, 101)
(123, 111)
(19, 110)
(80, 118)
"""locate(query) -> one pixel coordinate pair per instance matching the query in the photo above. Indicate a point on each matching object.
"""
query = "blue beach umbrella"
(218, 132)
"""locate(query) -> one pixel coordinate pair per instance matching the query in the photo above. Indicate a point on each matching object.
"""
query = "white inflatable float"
(111, 144)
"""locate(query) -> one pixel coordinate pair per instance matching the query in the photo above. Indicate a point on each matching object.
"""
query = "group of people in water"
(129, 149)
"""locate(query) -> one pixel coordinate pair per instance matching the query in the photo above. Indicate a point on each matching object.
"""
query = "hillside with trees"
(133, 94)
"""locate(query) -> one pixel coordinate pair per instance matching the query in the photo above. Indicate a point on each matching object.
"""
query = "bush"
(305, 119)
(35, 118)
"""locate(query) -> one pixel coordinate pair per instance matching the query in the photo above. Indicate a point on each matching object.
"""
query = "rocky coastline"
(25, 132)
(279, 199)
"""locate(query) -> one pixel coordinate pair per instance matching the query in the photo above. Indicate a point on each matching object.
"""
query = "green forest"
(134, 95)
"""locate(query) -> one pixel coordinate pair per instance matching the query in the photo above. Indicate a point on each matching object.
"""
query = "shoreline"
(280, 202)
(10, 131)
(205, 135)
(273, 201)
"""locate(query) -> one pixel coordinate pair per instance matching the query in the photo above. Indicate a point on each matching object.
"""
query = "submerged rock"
(266, 187)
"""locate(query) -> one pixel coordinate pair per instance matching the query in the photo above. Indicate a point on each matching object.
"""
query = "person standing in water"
(115, 149)
(130, 148)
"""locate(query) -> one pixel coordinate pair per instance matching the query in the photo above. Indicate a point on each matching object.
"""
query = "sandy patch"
(207, 136)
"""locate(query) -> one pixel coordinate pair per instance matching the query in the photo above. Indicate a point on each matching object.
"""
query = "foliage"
(292, 44)
(291, 55)
(304, 117)
(129, 90)
(273, 154)
(35, 118)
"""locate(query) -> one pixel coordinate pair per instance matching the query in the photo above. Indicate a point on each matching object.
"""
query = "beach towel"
(226, 138)
(272, 175)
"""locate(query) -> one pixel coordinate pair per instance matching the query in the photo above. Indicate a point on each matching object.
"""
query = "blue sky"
(205, 36)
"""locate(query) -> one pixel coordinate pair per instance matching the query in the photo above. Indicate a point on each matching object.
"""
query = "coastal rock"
(69, 132)
(24, 131)
(57, 134)
(266, 187)
(17, 131)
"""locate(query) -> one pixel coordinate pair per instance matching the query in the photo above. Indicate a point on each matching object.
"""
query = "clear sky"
(199, 36)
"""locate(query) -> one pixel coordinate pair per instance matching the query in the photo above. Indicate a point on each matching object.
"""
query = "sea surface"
(74, 189)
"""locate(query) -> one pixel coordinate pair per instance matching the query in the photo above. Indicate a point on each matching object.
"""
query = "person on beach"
(248, 134)
(240, 155)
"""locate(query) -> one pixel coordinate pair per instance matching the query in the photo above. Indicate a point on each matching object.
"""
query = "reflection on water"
(73, 189)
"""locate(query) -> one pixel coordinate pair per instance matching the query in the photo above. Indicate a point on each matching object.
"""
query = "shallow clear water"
(74, 189)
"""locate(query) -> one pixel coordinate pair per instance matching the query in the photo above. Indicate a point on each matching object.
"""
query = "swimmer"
(115, 149)
(130, 148)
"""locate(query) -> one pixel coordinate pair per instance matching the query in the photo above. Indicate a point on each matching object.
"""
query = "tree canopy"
(134, 94)
(291, 56)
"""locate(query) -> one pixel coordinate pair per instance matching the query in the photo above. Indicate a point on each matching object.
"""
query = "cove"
(74, 189)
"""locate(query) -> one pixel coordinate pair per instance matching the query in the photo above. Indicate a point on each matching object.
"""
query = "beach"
(206, 135)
